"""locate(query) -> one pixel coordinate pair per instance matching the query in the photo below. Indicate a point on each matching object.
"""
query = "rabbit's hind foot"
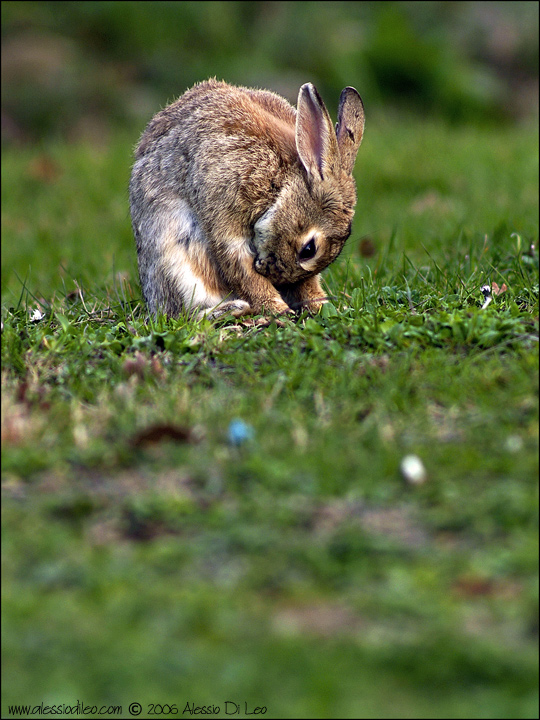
(236, 308)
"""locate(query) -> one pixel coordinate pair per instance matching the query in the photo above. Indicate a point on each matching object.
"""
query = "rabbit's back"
(211, 108)
(226, 150)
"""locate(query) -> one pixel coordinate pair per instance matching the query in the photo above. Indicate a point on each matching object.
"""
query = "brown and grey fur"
(228, 188)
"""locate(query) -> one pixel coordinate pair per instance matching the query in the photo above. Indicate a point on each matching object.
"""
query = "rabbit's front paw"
(276, 307)
(313, 306)
(306, 296)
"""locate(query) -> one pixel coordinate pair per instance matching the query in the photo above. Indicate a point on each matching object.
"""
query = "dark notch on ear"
(349, 127)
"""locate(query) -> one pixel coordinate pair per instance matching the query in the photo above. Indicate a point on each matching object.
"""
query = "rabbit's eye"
(308, 251)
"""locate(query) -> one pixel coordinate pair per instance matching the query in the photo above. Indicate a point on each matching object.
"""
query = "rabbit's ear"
(316, 141)
(349, 127)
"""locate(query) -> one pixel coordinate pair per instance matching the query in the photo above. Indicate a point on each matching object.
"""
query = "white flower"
(37, 315)
(486, 292)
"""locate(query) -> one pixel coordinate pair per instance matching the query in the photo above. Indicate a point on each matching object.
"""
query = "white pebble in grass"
(413, 470)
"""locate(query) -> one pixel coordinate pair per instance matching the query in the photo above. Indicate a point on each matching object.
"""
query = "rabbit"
(238, 201)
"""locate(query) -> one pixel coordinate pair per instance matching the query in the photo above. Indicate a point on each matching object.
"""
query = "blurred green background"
(78, 69)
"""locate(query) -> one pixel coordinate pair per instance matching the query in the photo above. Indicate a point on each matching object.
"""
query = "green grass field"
(150, 556)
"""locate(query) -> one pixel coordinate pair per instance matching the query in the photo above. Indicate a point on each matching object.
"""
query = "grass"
(150, 556)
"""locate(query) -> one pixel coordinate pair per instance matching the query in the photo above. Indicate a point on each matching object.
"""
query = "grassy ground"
(154, 554)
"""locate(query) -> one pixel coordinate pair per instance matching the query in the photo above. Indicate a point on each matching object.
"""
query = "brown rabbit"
(239, 201)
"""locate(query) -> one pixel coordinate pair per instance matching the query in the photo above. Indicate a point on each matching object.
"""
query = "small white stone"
(413, 470)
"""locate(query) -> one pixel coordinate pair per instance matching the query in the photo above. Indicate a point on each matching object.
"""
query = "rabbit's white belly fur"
(183, 253)
(190, 286)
